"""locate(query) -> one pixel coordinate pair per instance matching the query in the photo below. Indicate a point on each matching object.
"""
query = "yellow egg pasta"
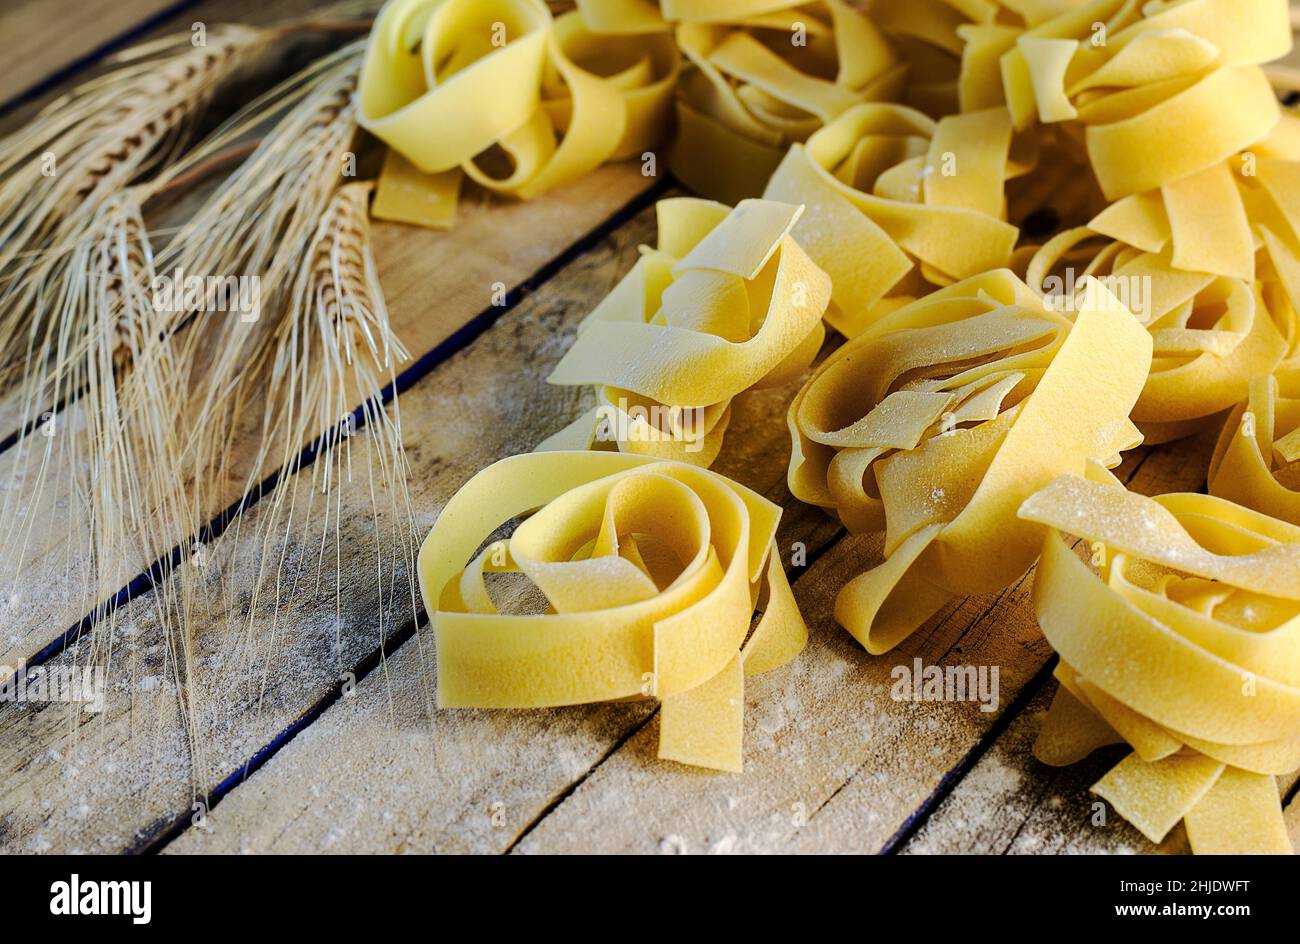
(1212, 334)
(651, 572)
(498, 91)
(726, 302)
(895, 203)
(1129, 86)
(1050, 230)
(1184, 644)
(762, 78)
(1257, 458)
(941, 418)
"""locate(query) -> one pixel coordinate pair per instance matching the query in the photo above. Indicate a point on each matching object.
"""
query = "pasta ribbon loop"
(725, 303)
(498, 91)
(1212, 334)
(651, 571)
(764, 76)
(941, 418)
(896, 203)
(1198, 666)
(1136, 76)
(1257, 458)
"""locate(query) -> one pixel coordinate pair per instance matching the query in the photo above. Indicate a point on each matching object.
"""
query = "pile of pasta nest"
(1049, 231)
(998, 242)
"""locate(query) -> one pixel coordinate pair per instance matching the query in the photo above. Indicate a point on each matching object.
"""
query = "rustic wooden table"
(338, 748)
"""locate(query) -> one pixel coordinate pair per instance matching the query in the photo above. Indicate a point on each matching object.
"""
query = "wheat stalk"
(117, 465)
(272, 381)
(258, 225)
(57, 221)
(164, 391)
(90, 327)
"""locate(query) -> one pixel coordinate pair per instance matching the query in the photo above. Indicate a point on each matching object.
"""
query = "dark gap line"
(993, 605)
(182, 822)
(572, 788)
(1291, 794)
(164, 835)
(92, 57)
(949, 782)
(815, 555)
(26, 429)
(918, 817)
(1043, 785)
(417, 371)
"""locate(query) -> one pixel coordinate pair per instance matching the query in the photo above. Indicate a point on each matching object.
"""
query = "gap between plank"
(918, 818)
(166, 832)
(569, 790)
(914, 822)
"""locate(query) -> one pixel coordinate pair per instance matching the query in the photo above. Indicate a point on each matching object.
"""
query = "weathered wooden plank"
(1010, 803)
(41, 593)
(273, 66)
(435, 283)
(1005, 635)
(39, 39)
(434, 781)
(492, 773)
(380, 770)
(117, 780)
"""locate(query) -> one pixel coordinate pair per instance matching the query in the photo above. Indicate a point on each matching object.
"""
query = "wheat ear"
(79, 151)
(115, 463)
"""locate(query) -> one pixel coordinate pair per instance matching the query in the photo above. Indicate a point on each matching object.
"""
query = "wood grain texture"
(493, 774)
(361, 761)
(38, 38)
(841, 766)
(1011, 803)
(833, 763)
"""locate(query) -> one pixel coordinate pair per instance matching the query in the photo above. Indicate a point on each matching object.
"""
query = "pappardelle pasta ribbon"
(1257, 458)
(941, 418)
(651, 571)
(1185, 645)
(762, 78)
(725, 303)
(497, 90)
(1132, 85)
(896, 203)
(1212, 334)
(1137, 76)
